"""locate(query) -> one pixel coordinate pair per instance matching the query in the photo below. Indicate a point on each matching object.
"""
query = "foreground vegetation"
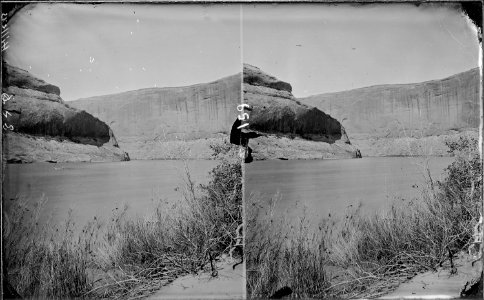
(364, 255)
(124, 258)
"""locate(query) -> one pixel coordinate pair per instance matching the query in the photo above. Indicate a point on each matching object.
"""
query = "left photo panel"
(121, 152)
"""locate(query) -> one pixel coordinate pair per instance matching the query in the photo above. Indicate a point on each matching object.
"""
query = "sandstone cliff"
(291, 129)
(182, 122)
(166, 123)
(40, 118)
(390, 115)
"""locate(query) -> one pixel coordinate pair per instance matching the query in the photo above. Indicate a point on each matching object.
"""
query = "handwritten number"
(5, 33)
(243, 116)
(4, 45)
(6, 114)
(6, 97)
(5, 126)
(240, 107)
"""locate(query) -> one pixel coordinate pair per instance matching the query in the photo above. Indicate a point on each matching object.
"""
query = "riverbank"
(433, 145)
(366, 255)
(125, 256)
(444, 283)
(228, 283)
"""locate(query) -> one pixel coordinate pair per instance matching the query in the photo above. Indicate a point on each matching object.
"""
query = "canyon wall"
(420, 109)
(191, 112)
(167, 123)
(40, 117)
(183, 122)
(383, 114)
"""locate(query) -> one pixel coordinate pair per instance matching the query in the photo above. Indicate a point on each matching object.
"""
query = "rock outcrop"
(167, 123)
(24, 148)
(38, 114)
(23, 83)
(291, 129)
(386, 114)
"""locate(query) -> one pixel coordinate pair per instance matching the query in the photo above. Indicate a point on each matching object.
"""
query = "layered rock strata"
(46, 129)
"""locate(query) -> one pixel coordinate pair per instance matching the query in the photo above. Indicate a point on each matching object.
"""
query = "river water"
(322, 187)
(328, 187)
(99, 189)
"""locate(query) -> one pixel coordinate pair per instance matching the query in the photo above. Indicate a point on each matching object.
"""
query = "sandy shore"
(441, 284)
(228, 284)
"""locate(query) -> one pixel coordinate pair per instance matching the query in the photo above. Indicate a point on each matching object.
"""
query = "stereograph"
(224, 150)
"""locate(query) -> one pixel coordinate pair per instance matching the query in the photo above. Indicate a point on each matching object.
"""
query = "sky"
(329, 48)
(89, 50)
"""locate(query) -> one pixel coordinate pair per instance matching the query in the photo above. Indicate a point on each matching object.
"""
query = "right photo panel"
(363, 173)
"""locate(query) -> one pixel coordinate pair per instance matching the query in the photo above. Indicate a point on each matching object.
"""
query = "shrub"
(222, 197)
(462, 187)
(223, 150)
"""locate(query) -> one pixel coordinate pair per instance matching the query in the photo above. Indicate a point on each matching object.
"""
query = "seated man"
(241, 137)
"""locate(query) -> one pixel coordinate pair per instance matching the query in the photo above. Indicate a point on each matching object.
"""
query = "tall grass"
(125, 257)
(151, 253)
(368, 255)
(278, 256)
(42, 260)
